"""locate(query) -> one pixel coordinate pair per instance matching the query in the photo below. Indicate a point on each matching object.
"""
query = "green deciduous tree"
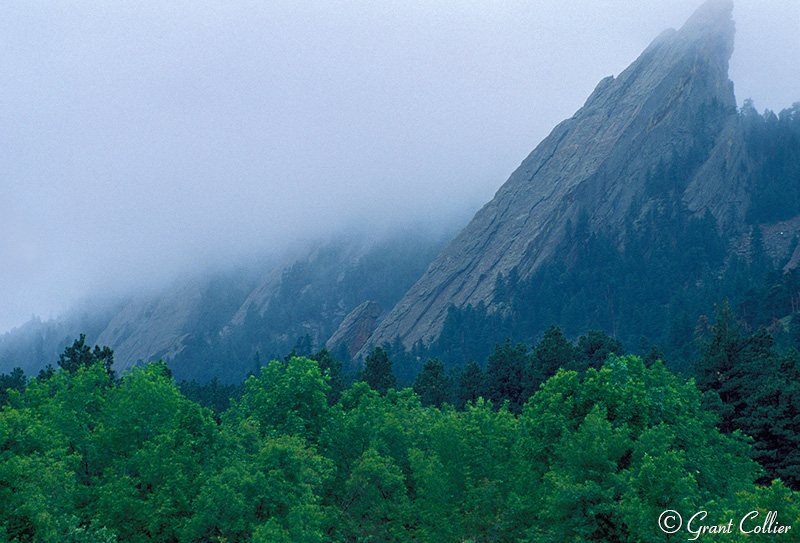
(620, 446)
(288, 398)
(265, 489)
(157, 446)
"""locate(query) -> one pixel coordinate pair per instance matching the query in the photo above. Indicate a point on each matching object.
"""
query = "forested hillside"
(609, 351)
(672, 271)
(596, 451)
(225, 324)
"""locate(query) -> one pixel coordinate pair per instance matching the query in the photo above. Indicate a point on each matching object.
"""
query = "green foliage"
(594, 455)
(14, 381)
(762, 500)
(431, 384)
(263, 489)
(81, 355)
(619, 447)
(288, 398)
(156, 447)
(754, 390)
(377, 372)
(376, 505)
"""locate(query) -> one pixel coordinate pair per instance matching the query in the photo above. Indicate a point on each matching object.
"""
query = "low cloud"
(143, 139)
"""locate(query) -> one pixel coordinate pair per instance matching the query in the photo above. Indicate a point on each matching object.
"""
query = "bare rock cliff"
(152, 327)
(674, 101)
(355, 328)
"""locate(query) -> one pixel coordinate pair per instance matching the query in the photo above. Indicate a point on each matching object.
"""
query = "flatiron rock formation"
(673, 103)
(355, 328)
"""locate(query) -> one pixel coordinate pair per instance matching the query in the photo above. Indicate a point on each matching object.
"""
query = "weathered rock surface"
(356, 328)
(152, 327)
(675, 100)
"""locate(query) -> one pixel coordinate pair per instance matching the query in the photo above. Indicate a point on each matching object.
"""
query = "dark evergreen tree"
(213, 394)
(595, 347)
(554, 351)
(15, 380)
(377, 372)
(729, 356)
(46, 373)
(431, 383)
(469, 384)
(304, 346)
(333, 368)
(505, 372)
(652, 356)
(754, 390)
(80, 355)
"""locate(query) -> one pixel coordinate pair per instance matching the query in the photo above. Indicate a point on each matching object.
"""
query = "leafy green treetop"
(615, 449)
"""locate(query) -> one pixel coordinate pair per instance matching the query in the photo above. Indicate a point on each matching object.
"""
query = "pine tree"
(80, 355)
(469, 385)
(377, 372)
(505, 372)
(431, 383)
(554, 351)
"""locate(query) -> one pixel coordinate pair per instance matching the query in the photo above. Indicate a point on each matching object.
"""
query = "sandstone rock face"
(674, 101)
(356, 327)
(152, 327)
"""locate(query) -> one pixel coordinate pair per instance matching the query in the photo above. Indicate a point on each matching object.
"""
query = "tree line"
(561, 441)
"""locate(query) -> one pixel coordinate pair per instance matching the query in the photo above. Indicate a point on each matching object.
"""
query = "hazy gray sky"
(142, 138)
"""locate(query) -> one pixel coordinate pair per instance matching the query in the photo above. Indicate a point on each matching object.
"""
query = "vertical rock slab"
(675, 100)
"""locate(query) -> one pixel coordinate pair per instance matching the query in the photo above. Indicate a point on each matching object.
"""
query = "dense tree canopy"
(594, 454)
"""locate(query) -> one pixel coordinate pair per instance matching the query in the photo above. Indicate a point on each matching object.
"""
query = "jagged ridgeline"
(657, 199)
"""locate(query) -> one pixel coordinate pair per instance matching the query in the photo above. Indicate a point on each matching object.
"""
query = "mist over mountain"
(227, 322)
(146, 141)
(630, 217)
(673, 104)
(183, 228)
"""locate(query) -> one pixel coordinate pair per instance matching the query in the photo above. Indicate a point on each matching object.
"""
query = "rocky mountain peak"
(674, 104)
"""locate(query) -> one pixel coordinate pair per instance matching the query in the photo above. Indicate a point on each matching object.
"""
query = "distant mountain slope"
(301, 305)
(673, 108)
(222, 325)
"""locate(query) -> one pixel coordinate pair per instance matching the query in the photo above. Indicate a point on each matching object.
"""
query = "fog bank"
(141, 140)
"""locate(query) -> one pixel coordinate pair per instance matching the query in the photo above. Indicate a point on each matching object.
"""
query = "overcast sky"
(139, 139)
